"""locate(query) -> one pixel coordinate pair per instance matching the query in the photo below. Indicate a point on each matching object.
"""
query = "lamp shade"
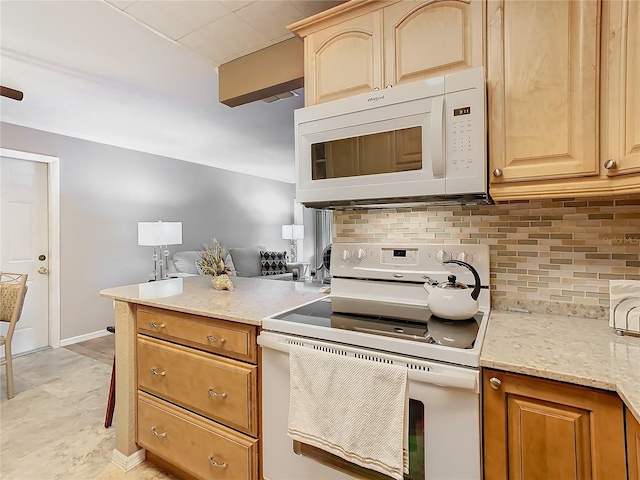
(292, 232)
(159, 233)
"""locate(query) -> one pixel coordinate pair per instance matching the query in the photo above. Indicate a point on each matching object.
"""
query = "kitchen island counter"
(576, 350)
(191, 302)
(251, 300)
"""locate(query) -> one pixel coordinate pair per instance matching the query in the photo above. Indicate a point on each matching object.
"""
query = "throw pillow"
(185, 262)
(273, 263)
(228, 262)
(246, 261)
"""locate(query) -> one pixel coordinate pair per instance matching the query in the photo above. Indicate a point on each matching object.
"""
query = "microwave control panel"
(466, 143)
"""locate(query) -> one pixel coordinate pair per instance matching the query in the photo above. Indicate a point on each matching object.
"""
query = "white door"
(24, 248)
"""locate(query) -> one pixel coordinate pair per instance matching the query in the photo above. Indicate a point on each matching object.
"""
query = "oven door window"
(416, 451)
(386, 152)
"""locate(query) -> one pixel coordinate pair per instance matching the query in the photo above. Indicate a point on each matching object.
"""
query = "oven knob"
(465, 257)
(443, 256)
(361, 254)
(345, 255)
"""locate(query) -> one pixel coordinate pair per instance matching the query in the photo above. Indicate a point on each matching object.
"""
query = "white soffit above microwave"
(90, 71)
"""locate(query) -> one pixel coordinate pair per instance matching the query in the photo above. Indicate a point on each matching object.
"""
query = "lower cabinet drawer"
(220, 388)
(231, 339)
(200, 447)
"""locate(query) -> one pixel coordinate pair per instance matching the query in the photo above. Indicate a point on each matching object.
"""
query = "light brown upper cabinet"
(563, 95)
(360, 46)
(621, 86)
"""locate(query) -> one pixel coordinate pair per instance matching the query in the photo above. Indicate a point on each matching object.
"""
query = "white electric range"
(378, 310)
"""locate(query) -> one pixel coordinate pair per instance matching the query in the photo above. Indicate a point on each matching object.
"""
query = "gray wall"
(105, 191)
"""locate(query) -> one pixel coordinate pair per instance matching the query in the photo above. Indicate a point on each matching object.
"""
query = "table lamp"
(293, 233)
(159, 235)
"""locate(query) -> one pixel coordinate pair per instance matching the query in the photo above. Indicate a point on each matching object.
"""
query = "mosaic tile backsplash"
(559, 251)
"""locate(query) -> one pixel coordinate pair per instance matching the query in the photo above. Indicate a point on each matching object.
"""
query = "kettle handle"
(476, 288)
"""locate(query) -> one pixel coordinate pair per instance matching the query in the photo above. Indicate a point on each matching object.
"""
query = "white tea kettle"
(453, 300)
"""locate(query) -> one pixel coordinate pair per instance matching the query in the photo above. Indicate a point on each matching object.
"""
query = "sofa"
(244, 262)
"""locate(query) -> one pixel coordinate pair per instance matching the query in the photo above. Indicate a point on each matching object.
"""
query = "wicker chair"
(13, 288)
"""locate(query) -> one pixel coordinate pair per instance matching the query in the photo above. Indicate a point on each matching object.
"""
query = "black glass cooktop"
(431, 329)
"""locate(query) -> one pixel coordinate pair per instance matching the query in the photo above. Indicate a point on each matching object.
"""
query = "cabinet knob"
(495, 383)
(610, 164)
(389, 86)
(375, 89)
(497, 172)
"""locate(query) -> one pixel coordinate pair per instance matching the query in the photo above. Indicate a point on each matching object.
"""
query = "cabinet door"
(344, 59)
(621, 86)
(542, 62)
(541, 429)
(633, 446)
(426, 39)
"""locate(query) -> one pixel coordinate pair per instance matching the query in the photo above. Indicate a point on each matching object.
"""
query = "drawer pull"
(156, 325)
(155, 372)
(216, 464)
(156, 433)
(211, 338)
(216, 394)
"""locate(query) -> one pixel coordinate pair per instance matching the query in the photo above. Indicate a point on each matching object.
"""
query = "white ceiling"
(223, 30)
(102, 72)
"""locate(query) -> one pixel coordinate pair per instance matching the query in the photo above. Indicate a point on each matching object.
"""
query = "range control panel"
(399, 256)
(413, 263)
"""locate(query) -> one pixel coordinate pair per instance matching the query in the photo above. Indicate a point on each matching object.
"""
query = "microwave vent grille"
(403, 202)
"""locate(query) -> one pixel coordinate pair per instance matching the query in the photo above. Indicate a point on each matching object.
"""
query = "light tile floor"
(54, 426)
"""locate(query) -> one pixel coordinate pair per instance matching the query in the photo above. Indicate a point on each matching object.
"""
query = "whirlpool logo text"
(375, 99)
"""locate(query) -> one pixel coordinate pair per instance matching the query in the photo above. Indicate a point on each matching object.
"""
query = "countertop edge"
(180, 309)
(550, 375)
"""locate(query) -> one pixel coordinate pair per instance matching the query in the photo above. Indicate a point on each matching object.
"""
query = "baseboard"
(128, 463)
(82, 338)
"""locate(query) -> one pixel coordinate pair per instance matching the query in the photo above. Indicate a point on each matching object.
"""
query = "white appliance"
(378, 311)
(423, 142)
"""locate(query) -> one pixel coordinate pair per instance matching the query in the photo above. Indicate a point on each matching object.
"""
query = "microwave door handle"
(436, 143)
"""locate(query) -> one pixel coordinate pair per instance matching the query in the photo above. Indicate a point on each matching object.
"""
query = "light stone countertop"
(251, 300)
(570, 349)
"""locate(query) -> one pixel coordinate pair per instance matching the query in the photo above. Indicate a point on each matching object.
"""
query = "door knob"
(43, 270)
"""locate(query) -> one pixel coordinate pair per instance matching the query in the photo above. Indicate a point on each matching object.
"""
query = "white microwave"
(422, 143)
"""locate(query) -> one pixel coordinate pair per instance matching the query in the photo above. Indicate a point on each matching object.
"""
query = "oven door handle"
(466, 382)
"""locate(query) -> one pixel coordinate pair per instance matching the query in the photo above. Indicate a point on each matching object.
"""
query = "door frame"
(53, 198)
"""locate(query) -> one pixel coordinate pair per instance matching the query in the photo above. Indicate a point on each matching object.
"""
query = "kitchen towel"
(350, 407)
(624, 313)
